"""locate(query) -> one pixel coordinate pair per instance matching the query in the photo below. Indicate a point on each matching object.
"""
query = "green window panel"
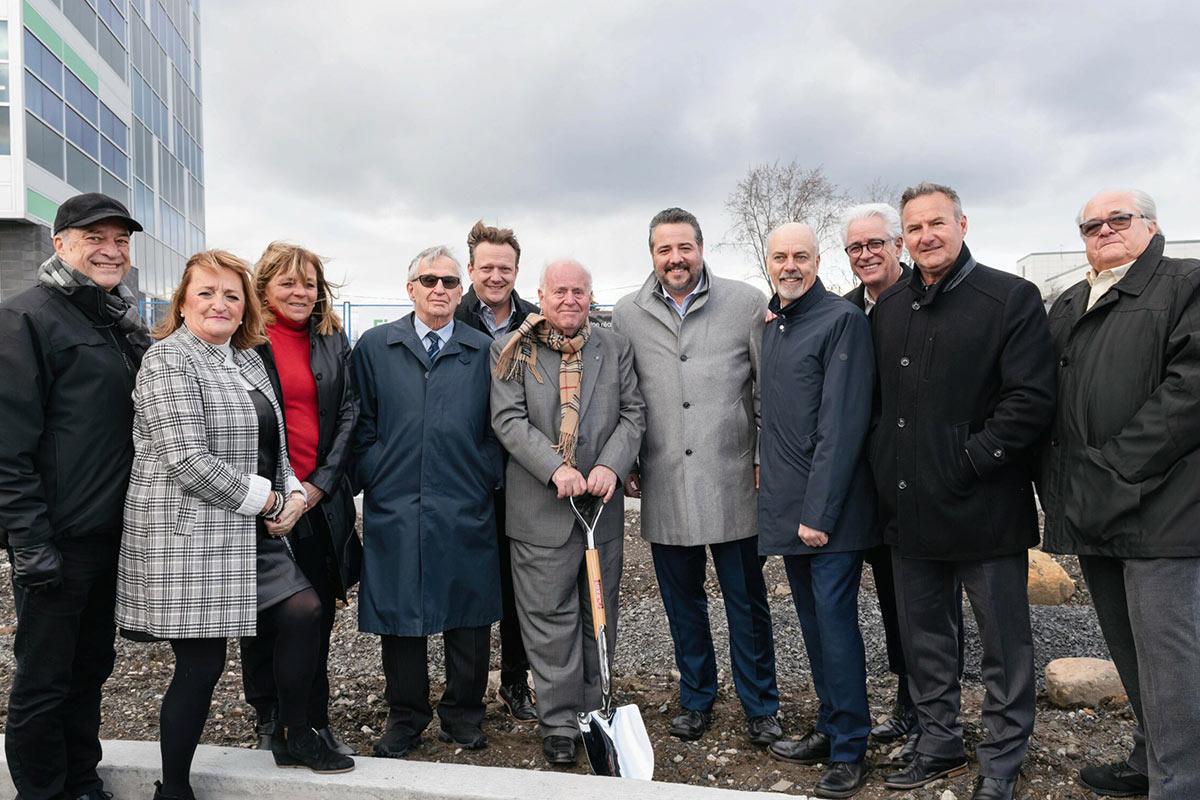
(40, 206)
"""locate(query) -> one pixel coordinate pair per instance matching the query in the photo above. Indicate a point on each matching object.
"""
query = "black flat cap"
(84, 209)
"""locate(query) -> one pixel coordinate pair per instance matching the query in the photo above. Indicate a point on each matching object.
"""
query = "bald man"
(566, 407)
(816, 505)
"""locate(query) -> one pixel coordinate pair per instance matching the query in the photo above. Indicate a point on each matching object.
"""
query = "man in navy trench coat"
(428, 462)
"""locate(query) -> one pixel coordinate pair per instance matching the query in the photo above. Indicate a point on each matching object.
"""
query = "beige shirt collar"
(1101, 282)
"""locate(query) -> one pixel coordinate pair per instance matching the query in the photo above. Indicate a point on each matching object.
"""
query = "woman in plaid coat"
(210, 497)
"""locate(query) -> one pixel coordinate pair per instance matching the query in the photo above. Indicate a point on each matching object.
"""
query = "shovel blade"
(618, 745)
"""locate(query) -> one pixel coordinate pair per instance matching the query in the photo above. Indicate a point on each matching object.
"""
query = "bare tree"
(880, 191)
(773, 194)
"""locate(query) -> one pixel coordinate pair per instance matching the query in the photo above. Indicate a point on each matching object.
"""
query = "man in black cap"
(70, 348)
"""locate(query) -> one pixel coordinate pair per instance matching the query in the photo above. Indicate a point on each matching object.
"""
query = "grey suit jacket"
(699, 377)
(525, 416)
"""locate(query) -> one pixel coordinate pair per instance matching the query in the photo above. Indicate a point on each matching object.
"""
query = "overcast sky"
(373, 131)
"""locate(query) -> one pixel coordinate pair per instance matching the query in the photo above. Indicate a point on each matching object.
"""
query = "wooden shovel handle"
(595, 591)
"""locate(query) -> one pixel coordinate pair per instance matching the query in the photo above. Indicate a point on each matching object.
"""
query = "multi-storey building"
(101, 96)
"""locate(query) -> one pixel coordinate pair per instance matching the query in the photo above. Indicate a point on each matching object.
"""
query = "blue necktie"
(435, 344)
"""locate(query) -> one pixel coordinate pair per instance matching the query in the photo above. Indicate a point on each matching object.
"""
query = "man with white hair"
(1119, 480)
(427, 462)
(567, 409)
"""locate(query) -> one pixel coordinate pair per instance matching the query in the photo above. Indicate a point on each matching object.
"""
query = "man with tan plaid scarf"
(566, 407)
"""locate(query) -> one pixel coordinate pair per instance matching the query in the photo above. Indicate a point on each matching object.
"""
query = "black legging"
(198, 667)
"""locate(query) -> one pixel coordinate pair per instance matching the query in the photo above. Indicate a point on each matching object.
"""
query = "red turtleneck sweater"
(290, 346)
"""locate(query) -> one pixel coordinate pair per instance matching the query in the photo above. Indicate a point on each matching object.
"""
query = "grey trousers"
(1149, 611)
(927, 600)
(556, 624)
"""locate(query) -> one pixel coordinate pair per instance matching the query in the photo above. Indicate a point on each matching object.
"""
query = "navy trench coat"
(427, 462)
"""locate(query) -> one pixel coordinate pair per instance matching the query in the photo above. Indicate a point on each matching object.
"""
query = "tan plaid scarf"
(520, 353)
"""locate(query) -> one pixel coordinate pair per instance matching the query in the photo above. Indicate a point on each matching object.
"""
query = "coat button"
(997, 453)
(322, 412)
(687, 405)
(1062, 362)
(683, 357)
(902, 485)
(426, 376)
(318, 376)
(916, 306)
(1054, 442)
(904, 362)
(900, 422)
(687, 452)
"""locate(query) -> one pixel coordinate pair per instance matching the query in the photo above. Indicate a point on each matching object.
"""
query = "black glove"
(37, 567)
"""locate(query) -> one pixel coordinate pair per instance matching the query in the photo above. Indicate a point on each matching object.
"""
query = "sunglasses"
(430, 281)
(1117, 222)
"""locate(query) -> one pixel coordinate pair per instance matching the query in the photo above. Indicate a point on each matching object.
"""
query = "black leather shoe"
(1117, 779)
(897, 726)
(812, 749)
(469, 738)
(159, 794)
(925, 769)
(309, 750)
(559, 750)
(333, 743)
(908, 752)
(518, 702)
(690, 725)
(95, 794)
(395, 743)
(764, 731)
(268, 725)
(842, 779)
(994, 788)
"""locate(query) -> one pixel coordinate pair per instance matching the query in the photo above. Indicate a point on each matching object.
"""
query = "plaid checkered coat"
(187, 566)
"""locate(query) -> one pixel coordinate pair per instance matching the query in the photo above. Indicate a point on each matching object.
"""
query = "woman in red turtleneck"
(307, 359)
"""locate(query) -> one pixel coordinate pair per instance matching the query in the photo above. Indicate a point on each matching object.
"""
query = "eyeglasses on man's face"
(430, 281)
(871, 246)
(1116, 222)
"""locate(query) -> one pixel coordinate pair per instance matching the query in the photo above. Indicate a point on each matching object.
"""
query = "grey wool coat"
(187, 564)
(525, 416)
(699, 378)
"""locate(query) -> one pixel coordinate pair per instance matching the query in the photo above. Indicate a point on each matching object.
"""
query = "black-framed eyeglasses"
(430, 281)
(871, 246)
(1117, 222)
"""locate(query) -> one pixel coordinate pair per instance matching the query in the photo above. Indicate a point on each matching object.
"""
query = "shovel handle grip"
(595, 590)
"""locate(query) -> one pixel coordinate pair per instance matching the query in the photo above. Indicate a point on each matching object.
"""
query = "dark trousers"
(314, 556)
(64, 652)
(1149, 612)
(880, 559)
(825, 593)
(928, 601)
(681, 571)
(514, 664)
(406, 669)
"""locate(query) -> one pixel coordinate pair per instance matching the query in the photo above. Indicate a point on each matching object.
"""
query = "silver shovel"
(615, 739)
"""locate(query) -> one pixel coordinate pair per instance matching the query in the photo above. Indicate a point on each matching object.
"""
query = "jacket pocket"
(1100, 504)
(185, 521)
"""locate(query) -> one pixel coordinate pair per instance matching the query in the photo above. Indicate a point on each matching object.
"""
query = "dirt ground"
(1063, 741)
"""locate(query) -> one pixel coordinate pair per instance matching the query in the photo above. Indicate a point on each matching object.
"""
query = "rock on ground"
(1082, 682)
(1049, 584)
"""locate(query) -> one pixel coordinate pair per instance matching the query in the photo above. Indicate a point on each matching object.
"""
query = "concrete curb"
(129, 770)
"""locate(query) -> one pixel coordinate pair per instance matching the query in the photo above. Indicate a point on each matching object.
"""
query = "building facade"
(101, 96)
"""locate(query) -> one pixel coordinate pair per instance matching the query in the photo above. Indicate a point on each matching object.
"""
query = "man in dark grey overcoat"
(696, 343)
(966, 390)
(428, 463)
(815, 504)
(566, 407)
(1120, 479)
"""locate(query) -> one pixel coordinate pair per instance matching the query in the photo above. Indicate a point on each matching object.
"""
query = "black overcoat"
(816, 384)
(337, 413)
(1120, 470)
(966, 391)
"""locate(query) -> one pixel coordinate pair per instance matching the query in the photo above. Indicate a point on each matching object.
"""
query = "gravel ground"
(1062, 742)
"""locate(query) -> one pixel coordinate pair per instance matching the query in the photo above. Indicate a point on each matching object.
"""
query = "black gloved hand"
(37, 567)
